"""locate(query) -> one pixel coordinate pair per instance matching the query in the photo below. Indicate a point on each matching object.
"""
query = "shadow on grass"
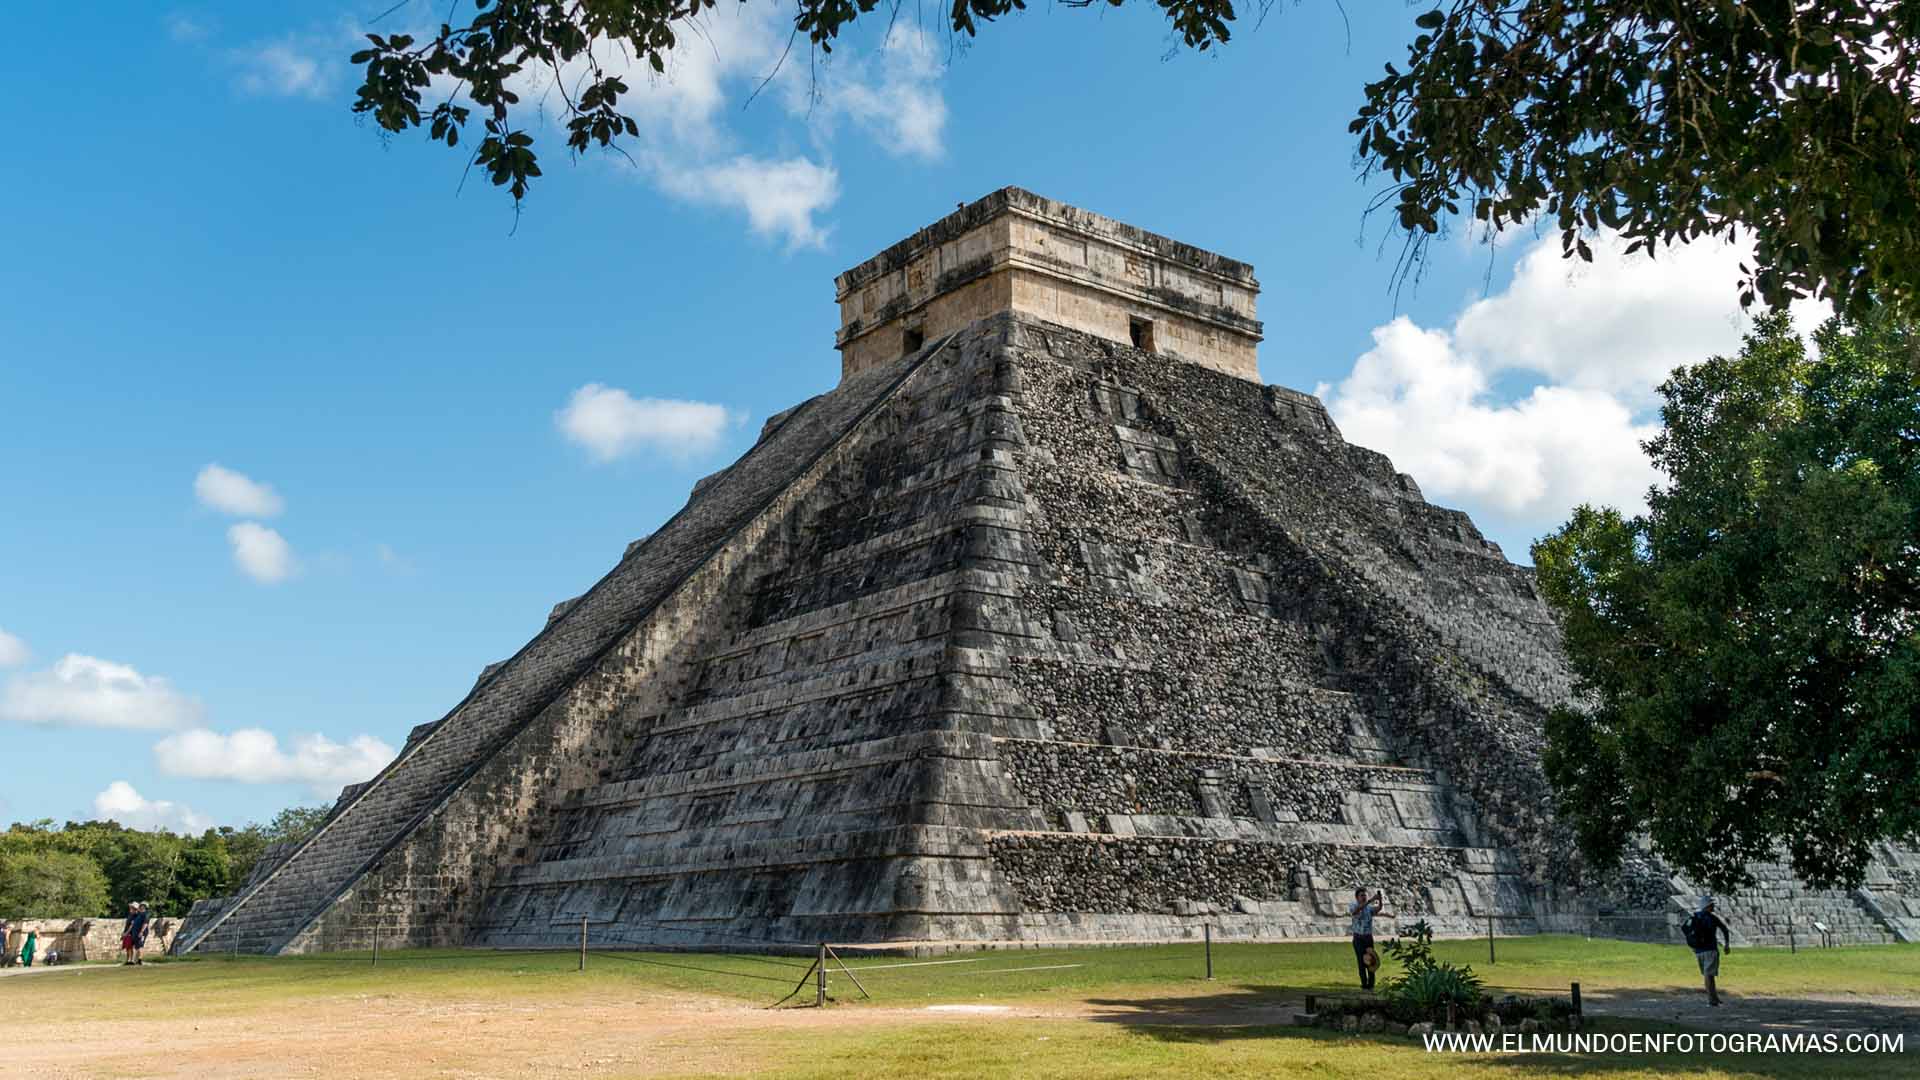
(1266, 1012)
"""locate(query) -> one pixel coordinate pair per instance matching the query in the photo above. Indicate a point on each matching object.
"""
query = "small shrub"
(1429, 992)
(1426, 986)
(1414, 951)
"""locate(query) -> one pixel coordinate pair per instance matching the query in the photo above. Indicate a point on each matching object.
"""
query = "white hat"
(1706, 901)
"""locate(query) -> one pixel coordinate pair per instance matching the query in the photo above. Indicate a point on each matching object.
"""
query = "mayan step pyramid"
(1051, 623)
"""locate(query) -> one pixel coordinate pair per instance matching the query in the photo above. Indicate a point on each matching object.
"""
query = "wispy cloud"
(232, 492)
(86, 691)
(611, 423)
(122, 803)
(289, 68)
(13, 651)
(255, 756)
(182, 26)
(892, 95)
(781, 198)
(691, 148)
(261, 553)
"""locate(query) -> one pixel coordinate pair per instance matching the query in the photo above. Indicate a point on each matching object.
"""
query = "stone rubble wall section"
(1184, 621)
(1103, 780)
(1342, 556)
(1146, 874)
(84, 940)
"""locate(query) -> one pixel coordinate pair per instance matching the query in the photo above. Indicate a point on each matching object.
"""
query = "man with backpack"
(1699, 930)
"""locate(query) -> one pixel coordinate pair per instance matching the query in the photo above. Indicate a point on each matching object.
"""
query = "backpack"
(1698, 931)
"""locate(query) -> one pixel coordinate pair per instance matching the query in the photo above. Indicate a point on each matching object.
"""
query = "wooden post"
(1792, 945)
(1310, 1004)
(1577, 1012)
(376, 944)
(583, 943)
(1208, 927)
(820, 985)
(1453, 1014)
(1490, 937)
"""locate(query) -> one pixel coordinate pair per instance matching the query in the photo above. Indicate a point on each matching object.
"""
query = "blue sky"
(431, 421)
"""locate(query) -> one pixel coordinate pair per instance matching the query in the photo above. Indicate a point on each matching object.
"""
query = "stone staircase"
(1780, 911)
(371, 820)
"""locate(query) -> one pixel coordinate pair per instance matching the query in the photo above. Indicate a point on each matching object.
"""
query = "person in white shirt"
(1363, 910)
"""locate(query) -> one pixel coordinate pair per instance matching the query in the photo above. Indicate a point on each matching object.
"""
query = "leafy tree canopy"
(1748, 650)
(50, 884)
(1790, 124)
(39, 864)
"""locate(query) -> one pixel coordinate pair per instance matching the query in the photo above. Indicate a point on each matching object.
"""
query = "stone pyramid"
(1050, 623)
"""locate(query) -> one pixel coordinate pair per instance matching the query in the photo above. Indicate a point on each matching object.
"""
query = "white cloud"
(1416, 398)
(894, 96)
(1585, 345)
(236, 493)
(261, 553)
(288, 68)
(1619, 324)
(184, 27)
(254, 756)
(85, 691)
(121, 803)
(13, 651)
(609, 423)
(689, 149)
(780, 197)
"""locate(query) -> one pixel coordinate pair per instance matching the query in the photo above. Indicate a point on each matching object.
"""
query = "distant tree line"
(95, 868)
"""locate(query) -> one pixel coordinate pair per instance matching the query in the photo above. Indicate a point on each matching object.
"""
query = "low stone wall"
(80, 940)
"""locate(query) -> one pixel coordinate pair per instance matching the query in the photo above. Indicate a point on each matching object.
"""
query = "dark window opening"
(913, 339)
(1141, 331)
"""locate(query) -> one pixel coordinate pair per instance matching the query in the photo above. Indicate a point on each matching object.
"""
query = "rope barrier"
(690, 967)
(625, 937)
(917, 963)
(1003, 971)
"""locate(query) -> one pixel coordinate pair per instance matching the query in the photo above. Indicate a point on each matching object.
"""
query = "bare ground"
(445, 1037)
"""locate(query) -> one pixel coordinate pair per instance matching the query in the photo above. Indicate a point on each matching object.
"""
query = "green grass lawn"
(1107, 989)
(1531, 966)
(1079, 1049)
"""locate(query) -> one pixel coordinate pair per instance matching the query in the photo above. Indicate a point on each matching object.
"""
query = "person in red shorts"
(126, 935)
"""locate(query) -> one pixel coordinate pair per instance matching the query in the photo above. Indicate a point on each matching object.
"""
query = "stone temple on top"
(1050, 623)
